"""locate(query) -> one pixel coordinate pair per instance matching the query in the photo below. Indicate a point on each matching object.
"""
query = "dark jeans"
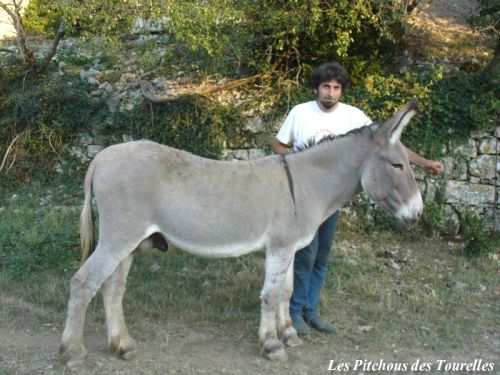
(310, 270)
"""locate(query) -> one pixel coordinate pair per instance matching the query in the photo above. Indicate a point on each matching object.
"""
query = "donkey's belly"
(218, 249)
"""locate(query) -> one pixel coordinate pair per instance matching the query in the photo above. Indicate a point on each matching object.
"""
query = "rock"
(150, 25)
(392, 264)
(429, 290)
(91, 73)
(93, 81)
(106, 86)
(256, 153)
(430, 191)
(449, 166)
(489, 146)
(240, 154)
(460, 170)
(365, 328)
(450, 222)
(93, 150)
(469, 149)
(78, 152)
(469, 194)
(479, 134)
(485, 167)
(155, 267)
(253, 124)
(85, 139)
(460, 286)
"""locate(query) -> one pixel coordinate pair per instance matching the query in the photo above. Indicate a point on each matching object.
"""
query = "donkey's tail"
(87, 242)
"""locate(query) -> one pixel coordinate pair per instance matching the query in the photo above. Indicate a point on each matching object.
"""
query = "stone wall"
(471, 181)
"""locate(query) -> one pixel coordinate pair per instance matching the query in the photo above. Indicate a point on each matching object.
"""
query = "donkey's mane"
(331, 137)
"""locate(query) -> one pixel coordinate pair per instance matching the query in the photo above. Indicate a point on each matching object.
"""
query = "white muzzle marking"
(412, 209)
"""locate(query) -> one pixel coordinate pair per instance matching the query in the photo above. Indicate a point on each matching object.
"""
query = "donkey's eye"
(398, 166)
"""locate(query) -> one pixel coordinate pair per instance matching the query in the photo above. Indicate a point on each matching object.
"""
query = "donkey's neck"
(326, 176)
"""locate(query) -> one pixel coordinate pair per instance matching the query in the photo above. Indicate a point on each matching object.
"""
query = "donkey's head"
(386, 176)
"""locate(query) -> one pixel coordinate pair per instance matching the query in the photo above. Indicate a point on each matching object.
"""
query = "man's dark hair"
(328, 71)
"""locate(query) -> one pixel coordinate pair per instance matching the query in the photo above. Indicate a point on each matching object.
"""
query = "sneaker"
(320, 325)
(300, 325)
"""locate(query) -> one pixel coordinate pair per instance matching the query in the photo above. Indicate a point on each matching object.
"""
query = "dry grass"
(440, 33)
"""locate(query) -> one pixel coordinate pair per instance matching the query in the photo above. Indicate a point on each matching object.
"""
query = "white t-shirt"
(307, 121)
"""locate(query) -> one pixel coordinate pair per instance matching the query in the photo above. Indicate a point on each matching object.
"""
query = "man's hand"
(433, 167)
(280, 148)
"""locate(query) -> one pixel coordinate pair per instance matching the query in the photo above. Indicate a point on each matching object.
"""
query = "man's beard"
(328, 104)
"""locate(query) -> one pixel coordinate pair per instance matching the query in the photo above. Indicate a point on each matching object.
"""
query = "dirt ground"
(30, 335)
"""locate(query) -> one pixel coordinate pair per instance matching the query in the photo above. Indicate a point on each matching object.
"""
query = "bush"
(478, 241)
(200, 127)
(46, 113)
(255, 35)
(43, 16)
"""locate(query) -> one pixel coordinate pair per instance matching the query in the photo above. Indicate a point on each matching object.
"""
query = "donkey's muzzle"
(409, 214)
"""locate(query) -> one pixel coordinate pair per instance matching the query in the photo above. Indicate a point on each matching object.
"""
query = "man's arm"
(279, 147)
(432, 167)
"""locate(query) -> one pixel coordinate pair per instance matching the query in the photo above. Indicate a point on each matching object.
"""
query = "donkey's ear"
(391, 130)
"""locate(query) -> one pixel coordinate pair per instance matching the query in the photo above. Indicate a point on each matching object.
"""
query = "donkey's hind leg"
(277, 263)
(84, 285)
(286, 331)
(112, 290)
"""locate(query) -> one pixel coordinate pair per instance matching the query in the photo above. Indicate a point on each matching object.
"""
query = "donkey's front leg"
(286, 331)
(277, 264)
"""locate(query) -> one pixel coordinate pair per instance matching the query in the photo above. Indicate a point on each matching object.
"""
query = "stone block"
(450, 222)
(93, 150)
(240, 154)
(256, 153)
(468, 149)
(253, 124)
(485, 166)
(460, 170)
(489, 146)
(459, 192)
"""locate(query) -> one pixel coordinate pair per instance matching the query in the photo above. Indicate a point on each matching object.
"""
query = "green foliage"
(257, 35)
(109, 19)
(269, 34)
(451, 105)
(46, 113)
(37, 234)
(193, 125)
(479, 243)
(433, 210)
(43, 16)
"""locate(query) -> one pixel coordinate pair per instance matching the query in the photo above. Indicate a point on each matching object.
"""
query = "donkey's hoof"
(125, 348)
(73, 355)
(293, 341)
(275, 351)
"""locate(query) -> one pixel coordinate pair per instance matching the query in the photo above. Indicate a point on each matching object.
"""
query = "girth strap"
(289, 177)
